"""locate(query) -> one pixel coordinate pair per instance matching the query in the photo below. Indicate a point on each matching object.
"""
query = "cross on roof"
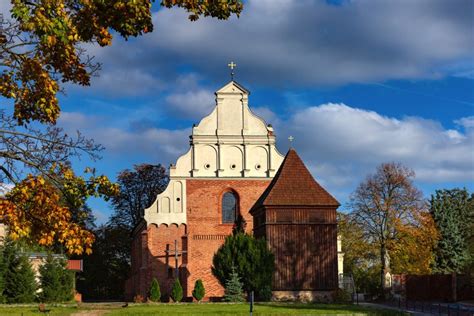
(291, 138)
(232, 65)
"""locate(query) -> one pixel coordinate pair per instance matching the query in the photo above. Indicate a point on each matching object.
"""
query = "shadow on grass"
(343, 308)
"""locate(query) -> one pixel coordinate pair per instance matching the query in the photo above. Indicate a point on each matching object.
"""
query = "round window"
(178, 199)
(257, 166)
(232, 166)
(207, 166)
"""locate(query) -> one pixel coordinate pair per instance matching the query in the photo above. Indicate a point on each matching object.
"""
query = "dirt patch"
(92, 312)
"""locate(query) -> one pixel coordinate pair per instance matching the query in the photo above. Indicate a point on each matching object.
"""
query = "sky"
(356, 83)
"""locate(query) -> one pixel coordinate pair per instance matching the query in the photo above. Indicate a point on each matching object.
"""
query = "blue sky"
(357, 83)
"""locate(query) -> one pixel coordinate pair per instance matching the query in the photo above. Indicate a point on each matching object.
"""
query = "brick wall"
(201, 237)
(206, 231)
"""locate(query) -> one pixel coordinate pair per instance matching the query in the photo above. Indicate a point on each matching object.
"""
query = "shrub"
(252, 260)
(233, 288)
(199, 291)
(341, 296)
(57, 282)
(177, 291)
(155, 293)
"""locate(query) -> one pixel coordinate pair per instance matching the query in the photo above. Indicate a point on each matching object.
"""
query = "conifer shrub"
(177, 291)
(155, 293)
(199, 291)
(233, 288)
(19, 278)
(57, 282)
(252, 260)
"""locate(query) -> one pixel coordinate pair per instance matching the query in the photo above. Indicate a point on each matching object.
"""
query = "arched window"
(229, 207)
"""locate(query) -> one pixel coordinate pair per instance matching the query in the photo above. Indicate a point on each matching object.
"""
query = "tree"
(155, 293)
(252, 260)
(107, 268)
(33, 210)
(42, 44)
(177, 291)
(57, 282)
(138, 190)
(19, 278)
(46, 155)
(382, 204)
(3, 268)
(452, 211)
(360, 255)
(233, 288)
(42, 49)
(199, 292)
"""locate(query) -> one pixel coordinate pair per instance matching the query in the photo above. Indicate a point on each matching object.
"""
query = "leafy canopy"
(391, 216)
(33, 211)
(42, 46)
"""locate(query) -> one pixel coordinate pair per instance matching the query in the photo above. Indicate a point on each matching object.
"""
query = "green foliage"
(155, 293)
(177, 291)
(19, 278)
(138, 190)
(199, 292)
(57, 282)
(252, 260)
(2, 274)
(341, 296)
(452, 211)
(233, 288)
(107, 268)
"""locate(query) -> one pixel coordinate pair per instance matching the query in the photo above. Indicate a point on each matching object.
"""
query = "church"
(233, 167)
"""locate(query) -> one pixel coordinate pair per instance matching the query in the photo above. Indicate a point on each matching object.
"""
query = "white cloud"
(309, 42)
(191, 104)
(342, 144)
(466, 122)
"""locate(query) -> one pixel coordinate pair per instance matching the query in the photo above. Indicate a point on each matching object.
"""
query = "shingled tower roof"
(293, 185)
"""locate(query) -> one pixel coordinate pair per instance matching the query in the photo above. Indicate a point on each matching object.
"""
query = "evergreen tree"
(57, 282)
(177, 291)
(19, 278)
(199, 292)
(233, 288)
(155, 293)
(452, 211)
(2, 275)
(252, 260)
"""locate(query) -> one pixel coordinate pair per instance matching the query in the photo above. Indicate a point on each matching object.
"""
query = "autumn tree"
(138, 190)
(388, 208)
(41, 50)
(453, 213)
(360, 255)
(41, 45)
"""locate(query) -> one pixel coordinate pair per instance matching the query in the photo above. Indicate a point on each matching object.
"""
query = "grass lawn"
(196, 309)
(33, 310)
(243, 309)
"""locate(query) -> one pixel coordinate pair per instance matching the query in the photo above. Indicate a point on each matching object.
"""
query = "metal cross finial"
(232, 65)
(291, 138)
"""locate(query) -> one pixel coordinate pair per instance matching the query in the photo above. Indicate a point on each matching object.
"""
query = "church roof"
(293, 185)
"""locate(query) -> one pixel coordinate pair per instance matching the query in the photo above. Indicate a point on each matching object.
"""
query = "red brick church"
(233, 167)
